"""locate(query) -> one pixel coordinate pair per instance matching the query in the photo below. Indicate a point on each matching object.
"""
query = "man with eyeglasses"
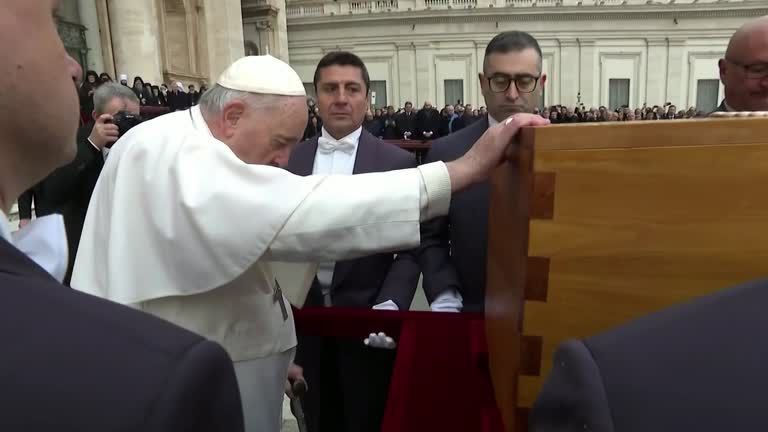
(744, 70)
(454, 247)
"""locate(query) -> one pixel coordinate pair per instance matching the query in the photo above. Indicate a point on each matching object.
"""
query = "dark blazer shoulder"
(454, 146)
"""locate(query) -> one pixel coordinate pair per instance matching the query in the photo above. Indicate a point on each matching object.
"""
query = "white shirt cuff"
(387, 305)
(436, 190)
(94, 145)
(448, 301)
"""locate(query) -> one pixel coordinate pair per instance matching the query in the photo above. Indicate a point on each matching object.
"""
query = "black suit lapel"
(303, 159)
(366, 161)
(367, 152)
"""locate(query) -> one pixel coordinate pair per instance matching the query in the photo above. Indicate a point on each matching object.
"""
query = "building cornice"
(522, 14)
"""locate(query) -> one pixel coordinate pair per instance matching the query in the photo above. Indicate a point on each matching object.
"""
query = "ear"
(722, 67)
(481, 80)
(231, 115)
(94, 116)
(543, 80)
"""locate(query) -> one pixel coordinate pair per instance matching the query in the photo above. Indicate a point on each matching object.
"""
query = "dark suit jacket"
(427, 120)
(721, 107)
(74, 362)
(453, 248)
(699, 366)
(406, 123)
(67, 191)
(367, 281)
(350, 381)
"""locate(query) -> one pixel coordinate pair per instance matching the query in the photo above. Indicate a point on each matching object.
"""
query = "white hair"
(214, 100)
(109, 91)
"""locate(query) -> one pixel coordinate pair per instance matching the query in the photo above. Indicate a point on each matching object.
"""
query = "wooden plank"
(643, 134)
(537, 279)
(511, 187)
(639, 229)
(543, 196)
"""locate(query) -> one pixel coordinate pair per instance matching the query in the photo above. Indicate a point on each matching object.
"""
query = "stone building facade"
(160, 40)
(596, 52)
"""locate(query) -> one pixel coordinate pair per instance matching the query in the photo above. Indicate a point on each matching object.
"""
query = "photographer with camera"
(68, 190)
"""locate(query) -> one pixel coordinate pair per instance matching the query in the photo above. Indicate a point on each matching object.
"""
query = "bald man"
(744, 69)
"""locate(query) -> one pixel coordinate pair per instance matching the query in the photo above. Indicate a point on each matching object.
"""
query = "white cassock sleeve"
(176, 213)
(345, 218)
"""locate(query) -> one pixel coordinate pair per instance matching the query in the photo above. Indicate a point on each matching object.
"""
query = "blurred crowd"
(428, 123)
(175, 96)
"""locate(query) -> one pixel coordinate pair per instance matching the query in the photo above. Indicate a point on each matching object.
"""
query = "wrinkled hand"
(494, 147)
(295, 374)
(380, 340)
(104, 131)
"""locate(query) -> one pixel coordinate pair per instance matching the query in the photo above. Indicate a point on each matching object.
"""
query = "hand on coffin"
(387, 305)
(380, 340)
(497, 144)
(295, 386)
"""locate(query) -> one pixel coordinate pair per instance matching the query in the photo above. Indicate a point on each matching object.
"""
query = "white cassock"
(181, 228)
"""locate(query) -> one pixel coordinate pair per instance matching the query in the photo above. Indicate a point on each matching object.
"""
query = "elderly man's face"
(266, 136)
(39, 121)
(744, 70)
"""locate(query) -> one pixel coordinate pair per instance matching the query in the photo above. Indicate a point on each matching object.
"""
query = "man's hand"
(24, 222)
(295, 374)
(489, 151)
(104, 132)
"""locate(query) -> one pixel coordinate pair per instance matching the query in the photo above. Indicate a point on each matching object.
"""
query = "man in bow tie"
(357, 374)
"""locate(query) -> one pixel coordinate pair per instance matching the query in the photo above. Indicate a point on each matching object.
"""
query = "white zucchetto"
(262, 75)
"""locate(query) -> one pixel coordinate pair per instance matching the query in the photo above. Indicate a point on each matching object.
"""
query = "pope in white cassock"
(191, 208)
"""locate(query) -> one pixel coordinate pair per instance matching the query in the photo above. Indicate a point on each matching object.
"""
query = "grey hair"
(108, 91)
(214, 100)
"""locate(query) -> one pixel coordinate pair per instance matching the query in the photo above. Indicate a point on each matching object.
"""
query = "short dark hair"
(512, 41)
(342, 58)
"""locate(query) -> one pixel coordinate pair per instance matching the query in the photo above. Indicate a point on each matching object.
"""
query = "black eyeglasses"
(523, 83)
(754, 70)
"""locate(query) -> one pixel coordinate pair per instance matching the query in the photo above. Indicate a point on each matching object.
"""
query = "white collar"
(198, 120)
(5, 229)
(492, 121)
(728, 107)
(353, 138)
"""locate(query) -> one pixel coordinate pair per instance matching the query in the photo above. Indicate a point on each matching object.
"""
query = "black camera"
(125, 121)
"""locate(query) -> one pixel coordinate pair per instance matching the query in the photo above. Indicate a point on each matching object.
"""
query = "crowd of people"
(174, 97)
(427, 123)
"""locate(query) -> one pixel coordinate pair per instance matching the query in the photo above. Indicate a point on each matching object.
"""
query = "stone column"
(676, 82)
(474, 82)
(656, 87)
(406, 74)
(569, 72)
(589, 74)
(224, 27)
(135, 39)
(281, 32)
(90, 19)
(224, 30)
(425, 67)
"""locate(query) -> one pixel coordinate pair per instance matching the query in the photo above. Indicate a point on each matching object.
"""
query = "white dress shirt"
(334, 157)
(5, 229)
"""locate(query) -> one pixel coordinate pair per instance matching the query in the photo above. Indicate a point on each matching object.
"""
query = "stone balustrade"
(317, 8)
